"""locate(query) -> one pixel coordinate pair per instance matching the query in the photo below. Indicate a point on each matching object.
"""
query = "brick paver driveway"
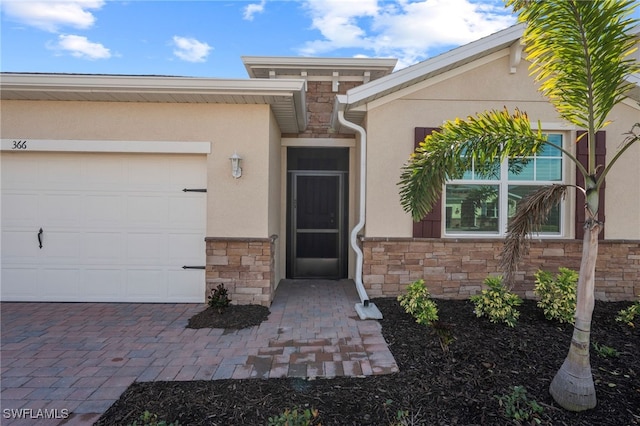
(71, 361)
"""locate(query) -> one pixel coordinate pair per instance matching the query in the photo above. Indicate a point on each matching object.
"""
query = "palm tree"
(579, 53)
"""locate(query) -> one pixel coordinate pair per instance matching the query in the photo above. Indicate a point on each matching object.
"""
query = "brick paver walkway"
(78, 358)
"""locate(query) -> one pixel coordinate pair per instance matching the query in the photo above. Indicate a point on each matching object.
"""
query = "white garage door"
(115, 227)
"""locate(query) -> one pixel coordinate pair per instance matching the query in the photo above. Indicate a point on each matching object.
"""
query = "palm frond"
(532, 212)
(446, 154)
(580, 52)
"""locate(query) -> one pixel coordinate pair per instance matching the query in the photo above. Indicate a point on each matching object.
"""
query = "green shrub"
(307, 417)
(497, 303)
(557, 294)
(418, 303)
(605, 351)
(219, 298)
(627, 315)
(151, 419)
(519, 407)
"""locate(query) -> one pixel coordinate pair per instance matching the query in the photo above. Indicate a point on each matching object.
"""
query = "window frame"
(503, 196)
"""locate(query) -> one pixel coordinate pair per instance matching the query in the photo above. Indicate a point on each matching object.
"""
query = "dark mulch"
(233, 317)
(434, 388)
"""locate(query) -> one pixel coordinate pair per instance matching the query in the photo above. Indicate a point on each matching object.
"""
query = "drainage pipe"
(361, 217)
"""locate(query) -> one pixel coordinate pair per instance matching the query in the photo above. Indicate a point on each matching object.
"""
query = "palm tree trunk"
(572, 387)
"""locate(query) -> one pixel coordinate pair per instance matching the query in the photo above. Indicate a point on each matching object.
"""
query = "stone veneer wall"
(246, 267)
(320, 101)
(455, 268)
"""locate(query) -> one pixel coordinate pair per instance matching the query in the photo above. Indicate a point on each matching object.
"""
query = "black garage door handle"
(40, 237)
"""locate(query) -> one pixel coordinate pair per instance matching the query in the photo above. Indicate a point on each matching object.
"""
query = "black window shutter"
(431, 225)
(582, 154)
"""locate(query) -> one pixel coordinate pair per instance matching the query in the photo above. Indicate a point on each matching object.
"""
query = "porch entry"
(317, 206)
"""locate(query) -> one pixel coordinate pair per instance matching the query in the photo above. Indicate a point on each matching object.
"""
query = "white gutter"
(365, 309)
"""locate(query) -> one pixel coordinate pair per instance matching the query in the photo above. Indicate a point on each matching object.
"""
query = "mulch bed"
(233, 317)
(433, 387)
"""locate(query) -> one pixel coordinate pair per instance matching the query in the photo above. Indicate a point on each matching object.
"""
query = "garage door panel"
(116, 227)
(185, 286)
(62, 209)
(19, 172)
(19, 283)
(60, 246)
(19, 209)
(105, 171)
(146, 248)
(104, 284)
(59, 284)
(186, 247)
(189, 209)
(149, 283)
(147, 211)
(149, 173)
(20, 246)
(60, 172)
(104, 247)
(183, 176)
(103, 210)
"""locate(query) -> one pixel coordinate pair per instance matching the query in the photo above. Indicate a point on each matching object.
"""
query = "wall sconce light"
(236, 170)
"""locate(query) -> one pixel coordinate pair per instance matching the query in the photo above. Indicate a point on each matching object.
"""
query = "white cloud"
(405, 29)
(81, 47)
(252, 9)
(52, 15)
(190, 49)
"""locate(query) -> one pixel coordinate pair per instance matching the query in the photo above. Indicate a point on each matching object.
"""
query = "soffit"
(286, 97)
(355, 69)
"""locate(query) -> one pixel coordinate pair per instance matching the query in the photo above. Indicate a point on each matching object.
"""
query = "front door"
(317, 235)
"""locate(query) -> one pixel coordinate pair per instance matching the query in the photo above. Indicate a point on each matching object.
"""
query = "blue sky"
(207, 38)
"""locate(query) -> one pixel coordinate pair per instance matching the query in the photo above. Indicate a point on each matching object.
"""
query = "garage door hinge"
(193, 267)
(194, 190)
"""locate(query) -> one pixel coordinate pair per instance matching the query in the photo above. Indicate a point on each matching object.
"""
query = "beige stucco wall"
(235, 207)
(622, 196)
(474, 88)
(276, 188)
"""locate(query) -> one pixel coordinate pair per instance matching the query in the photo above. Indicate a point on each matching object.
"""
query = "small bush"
(444, 332)
(497, 303)
(219, 298)
(519, 407)
(628, 315)
(557, 294)
(151, 419)
(605, 351)
(418, 303)
(307, 417)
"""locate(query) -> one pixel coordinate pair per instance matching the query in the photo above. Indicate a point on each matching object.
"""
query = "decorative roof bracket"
(515, 56)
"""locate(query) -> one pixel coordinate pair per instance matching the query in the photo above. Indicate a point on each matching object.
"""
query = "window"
(483, 200)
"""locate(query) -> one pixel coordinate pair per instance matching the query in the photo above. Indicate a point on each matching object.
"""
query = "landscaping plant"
(418, 303)
(627, 315)
(519, 407)
(581, 55)
(497, 302)
(219, 298)
(605, 351)
(151, 419)
(306, 417)
(557, 294)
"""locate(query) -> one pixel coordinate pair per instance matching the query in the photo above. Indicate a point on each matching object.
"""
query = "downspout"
(365, 309)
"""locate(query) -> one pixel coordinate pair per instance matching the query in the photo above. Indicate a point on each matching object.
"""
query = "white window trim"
(503, 188)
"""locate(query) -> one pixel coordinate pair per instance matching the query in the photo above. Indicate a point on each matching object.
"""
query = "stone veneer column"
(246, 267)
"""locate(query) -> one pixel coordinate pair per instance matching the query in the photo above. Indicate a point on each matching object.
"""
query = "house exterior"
(123, 188)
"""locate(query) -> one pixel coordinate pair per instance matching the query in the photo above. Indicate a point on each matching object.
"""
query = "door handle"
(40, 237)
